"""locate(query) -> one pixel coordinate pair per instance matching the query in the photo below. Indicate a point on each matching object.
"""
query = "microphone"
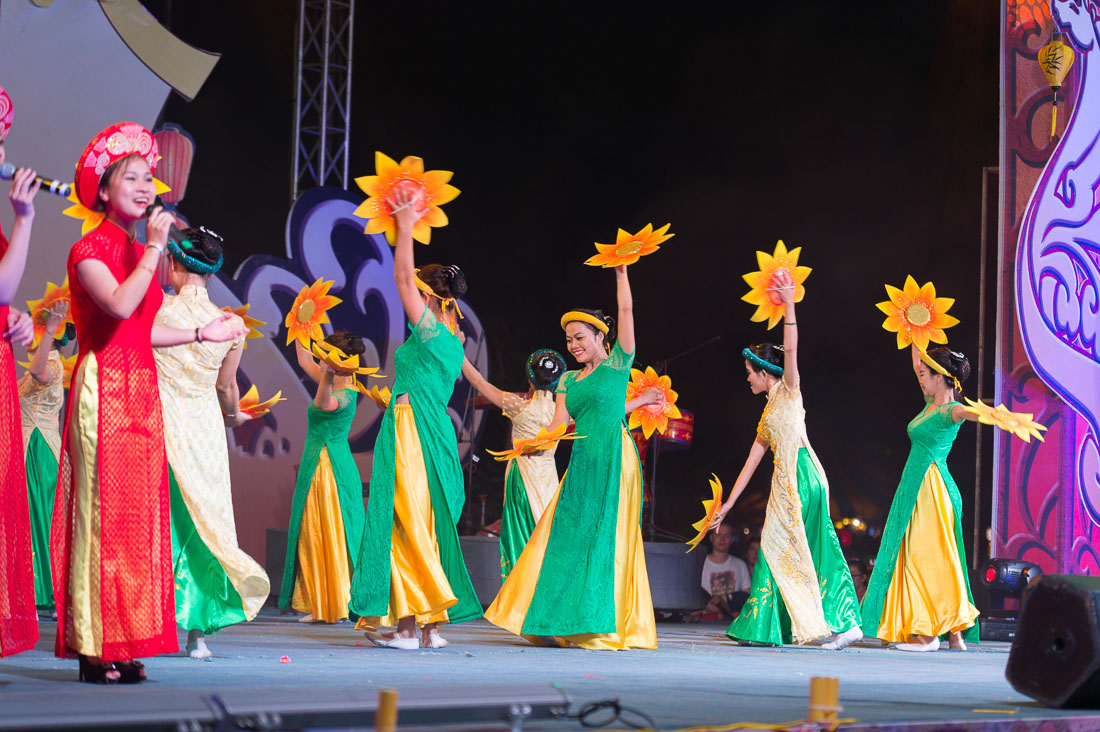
(173, 233)
(56, 187)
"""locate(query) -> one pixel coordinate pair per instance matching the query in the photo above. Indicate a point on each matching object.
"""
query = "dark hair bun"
(769, 352)
(446, 280)
(545, 367)
(206, 246)
(956, 363)
(349, 343)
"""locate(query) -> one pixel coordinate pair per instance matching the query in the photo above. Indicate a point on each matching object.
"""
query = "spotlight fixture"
(1008, 577)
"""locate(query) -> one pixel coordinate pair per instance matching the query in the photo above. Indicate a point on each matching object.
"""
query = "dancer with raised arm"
(216, 583)
(592, 593)
(410, 572)
(111, 544)
(801, 587)
(18, 616)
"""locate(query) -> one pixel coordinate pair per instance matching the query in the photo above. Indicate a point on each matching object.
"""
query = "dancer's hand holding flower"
(406, 205)
(783, 285)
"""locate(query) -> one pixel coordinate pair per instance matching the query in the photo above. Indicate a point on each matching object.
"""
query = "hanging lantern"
(1055, 59)
(177, 149)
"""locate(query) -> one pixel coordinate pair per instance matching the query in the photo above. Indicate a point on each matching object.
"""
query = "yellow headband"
(444, 301)
(574, 315)
(940, 370)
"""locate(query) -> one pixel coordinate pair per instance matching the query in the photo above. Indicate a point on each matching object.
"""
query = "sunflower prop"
(381, 397)
(343, 363)
(652, 416)
(916, 314)
(251, 405)
(542, 441)
(90, 219)
(69, 366)
(410, 177)
(249, 322)
(303, 322)
(629, 248)
(39, 310)
(1018, 423)
(710, 510)
(769, 306)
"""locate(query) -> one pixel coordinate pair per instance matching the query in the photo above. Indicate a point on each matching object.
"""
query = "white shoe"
(842, 640)
(956, 643)
(933, 645)
(394, 641)
(435, 640)
(197, 649)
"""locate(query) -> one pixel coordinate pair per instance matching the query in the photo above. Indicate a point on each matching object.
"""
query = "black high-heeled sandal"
(131, 672)
(98, 673)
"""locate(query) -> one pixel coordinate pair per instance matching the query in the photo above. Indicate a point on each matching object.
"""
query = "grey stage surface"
(693, 678)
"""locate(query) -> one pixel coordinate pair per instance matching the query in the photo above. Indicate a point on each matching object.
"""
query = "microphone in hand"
(56, 187)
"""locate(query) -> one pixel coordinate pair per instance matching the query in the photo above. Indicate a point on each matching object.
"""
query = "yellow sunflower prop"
(381, 397)
(39, 310)
(652, 416)
(542, 441)
(710, 510)
(916, 314)
(629, 248)
(303, 322)
(1018, 423)
(409, 176)
(343, 363)
(251, 323)
(769, 306)
(251, 405)
(90, 219)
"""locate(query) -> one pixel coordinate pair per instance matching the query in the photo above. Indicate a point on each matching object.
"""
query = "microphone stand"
(469, 430)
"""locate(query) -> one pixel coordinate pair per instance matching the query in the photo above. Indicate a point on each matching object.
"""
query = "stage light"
(1008, 577)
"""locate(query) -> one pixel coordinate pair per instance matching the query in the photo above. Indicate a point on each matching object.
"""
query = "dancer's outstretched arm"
(626, 310)
(406, 212)
(41, 360)
(479, 382)
(756, 454)
(784, 287)
(306, 361)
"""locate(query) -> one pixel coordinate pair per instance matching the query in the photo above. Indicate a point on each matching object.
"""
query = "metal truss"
(322, 94)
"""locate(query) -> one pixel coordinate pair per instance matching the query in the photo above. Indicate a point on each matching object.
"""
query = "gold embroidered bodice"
(40, 403)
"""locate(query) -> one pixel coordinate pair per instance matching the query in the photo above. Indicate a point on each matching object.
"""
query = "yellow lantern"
(1056, 59)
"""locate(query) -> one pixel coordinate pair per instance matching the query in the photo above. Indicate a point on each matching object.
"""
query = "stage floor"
(694, 678)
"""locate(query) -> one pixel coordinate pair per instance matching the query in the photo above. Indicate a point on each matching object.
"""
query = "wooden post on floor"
(824, 699)
(385, 719)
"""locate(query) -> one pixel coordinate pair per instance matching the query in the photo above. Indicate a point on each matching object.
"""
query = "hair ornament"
(768, 366)
(190, 262)
(551, 361)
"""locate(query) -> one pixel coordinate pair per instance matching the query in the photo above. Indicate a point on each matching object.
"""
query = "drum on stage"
(679, 433)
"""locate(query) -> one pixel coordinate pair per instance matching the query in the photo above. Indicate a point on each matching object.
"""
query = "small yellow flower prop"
(90, 219)
(710, 510)
(381, 397)
(542, 441)
(916, 314)
(251, 405)
(1018, 423)
(409, 176)
(39, 310)
(629, 248)
(343, 363)
(249, 322)
(652, 416)
(769, 306)
(303, 322)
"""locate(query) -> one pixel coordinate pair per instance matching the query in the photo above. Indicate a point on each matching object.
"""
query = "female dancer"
(18, 618)
(111, 542)
(801, 586)
(919, 589)
(216, 583)
(411, 571)
(530, 480)
(592, 593)
(41, 396)
(326, 520)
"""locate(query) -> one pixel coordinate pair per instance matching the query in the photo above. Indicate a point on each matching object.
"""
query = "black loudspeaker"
(1055, 656)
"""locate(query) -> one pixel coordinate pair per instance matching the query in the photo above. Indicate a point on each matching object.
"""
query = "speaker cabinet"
(1055, 656)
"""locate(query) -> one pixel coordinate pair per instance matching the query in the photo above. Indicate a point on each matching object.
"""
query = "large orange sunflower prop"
(303, 322)
(769, 306)
(1020, 424)
(629, 248)
(251, 405)
(39, 310)
(90, 219)
(710, 510)
(652, 416)
(916, 314)
(381, 397)
(409, 176)
(542, 441)
(251, 323)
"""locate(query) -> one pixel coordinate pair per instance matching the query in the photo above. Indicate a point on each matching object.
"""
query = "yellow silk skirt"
(323, 583)
(418, 584)
(927, 595)
(634, 622)
(84, 585)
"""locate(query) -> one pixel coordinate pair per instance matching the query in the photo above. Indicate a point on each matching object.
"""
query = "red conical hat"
(6, 113)
(108, 147)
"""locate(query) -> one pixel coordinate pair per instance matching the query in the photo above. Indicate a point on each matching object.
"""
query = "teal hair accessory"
(190, 262)
(771, 368)
(186, 243)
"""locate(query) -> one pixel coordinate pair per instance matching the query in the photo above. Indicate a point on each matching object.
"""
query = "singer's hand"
(23, 188)
(19, 328)
(228, 327)
(156, 228)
